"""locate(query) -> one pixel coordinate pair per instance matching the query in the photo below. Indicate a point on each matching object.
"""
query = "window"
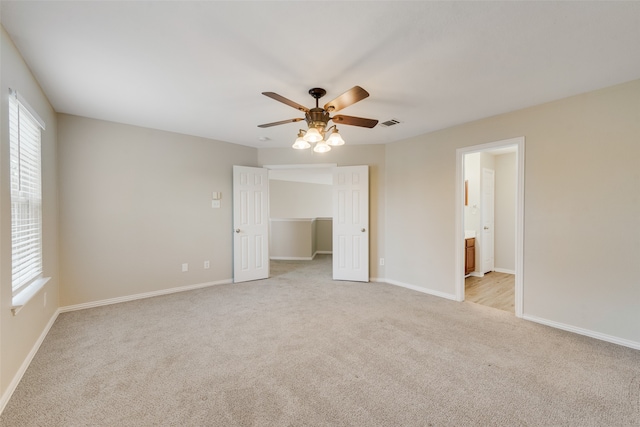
(26, 194)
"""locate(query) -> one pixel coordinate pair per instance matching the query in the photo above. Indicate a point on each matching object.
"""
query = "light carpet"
(299, 349)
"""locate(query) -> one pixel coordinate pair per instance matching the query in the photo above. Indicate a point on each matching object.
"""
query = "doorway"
(306, 223)
(498, 243)
(300, 213)
(350, 226)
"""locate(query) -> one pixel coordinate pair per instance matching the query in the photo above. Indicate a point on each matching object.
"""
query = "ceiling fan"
(317, 118)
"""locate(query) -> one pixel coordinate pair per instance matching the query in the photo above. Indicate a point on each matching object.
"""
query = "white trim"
(419, 289)
(585, 332)
(26, 294)
(459, 232)
(25, 364)
(141, 296)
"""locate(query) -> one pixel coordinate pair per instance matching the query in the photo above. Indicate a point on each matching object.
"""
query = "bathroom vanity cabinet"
(469, 255)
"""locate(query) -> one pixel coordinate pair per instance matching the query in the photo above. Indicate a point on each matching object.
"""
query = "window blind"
(26, 195)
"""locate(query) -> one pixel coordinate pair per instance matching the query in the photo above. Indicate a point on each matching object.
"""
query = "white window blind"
(26, 194)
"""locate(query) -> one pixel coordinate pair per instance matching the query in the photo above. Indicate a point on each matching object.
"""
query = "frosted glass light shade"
(335, 139)
(321, 147)
(313, 135)
(301, 144)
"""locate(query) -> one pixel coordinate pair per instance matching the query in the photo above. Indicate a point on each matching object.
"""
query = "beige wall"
(292, 238)
(324, 235)
(581, 235)
(297, 238)
(20, 333)
(288, 199)
(135, 204)
(348, 155)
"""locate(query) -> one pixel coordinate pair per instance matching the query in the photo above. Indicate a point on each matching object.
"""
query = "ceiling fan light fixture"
(335, 139)
(318, 117)
(300, 143)
(322, 147)
(313, 135)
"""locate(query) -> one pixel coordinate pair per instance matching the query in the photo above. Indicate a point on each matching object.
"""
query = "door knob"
(237, 230)
(363, 230)
(486, 228)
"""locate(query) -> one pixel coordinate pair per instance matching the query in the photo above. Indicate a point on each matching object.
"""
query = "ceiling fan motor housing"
(318, 118)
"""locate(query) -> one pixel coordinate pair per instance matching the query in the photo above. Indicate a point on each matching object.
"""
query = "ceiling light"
(335, 139)
(313, 135)
(300, 143)
(321, 147)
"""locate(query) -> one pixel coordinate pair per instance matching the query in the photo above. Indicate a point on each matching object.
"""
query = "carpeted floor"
(299, 349)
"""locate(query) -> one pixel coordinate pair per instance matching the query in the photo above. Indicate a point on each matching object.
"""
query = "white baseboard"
(419, 289)
(141, 296)
(504, 270)
(585, 332)
(25, 364)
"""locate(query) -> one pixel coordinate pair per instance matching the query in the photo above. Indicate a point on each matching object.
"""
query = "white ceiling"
(199, 68)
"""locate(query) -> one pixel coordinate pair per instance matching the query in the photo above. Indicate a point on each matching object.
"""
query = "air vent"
(390, 123)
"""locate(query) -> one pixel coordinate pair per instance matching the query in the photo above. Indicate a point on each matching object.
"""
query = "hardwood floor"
(495, 290)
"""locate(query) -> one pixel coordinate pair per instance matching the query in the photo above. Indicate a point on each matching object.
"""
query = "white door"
(250, 223)
(488, 203)
(351, 223)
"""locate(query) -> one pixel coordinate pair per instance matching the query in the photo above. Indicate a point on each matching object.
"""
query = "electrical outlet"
(207, 264)
(381, 261)
(185, 267)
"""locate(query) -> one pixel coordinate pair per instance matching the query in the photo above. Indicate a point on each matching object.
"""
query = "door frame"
(519, 142)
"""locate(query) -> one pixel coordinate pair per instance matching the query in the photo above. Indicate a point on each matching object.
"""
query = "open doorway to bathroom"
(490, 225)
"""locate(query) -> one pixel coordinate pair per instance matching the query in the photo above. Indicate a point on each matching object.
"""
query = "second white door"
(250, 223)
(351, 223)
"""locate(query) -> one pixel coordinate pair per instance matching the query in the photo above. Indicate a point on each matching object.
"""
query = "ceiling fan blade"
(354, 121)
(284, 100)
(350, 97)
(281, 122)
